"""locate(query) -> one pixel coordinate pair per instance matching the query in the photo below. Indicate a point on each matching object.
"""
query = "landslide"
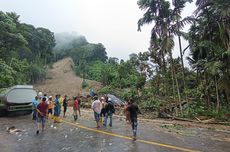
(61, 79)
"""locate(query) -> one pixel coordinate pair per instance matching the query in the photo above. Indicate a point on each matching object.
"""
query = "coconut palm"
(166, 24)
(209, 40)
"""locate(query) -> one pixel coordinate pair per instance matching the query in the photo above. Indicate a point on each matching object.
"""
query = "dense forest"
(24, 50)
(156, 80)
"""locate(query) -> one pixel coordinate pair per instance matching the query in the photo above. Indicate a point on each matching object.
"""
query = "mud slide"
(61, 79)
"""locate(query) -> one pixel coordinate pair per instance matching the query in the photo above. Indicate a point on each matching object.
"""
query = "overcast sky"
(110, 22)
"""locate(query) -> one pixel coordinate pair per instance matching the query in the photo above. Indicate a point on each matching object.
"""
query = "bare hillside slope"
(61, 79)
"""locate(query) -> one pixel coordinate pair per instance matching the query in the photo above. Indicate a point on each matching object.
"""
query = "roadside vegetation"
(157, 81)
(24, 51)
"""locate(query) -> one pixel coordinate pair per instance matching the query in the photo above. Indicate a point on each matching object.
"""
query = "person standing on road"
(103, 103)
(127, 113)
(60, 99)
(42, 110)
(133, 110)
(50, 106)
(79, 104)
(65, 104)
(96, 106)
(35, 103)
(57, 109)
(75, 109)
(109, 111)
(47, 99)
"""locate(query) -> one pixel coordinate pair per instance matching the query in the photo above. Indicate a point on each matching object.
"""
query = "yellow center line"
(129, 138)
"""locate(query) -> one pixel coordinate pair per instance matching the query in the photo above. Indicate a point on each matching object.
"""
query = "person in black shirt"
(109, 111)
(65, 104)
(133, 110)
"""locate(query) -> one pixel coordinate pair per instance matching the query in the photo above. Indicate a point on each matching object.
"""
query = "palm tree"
(178, 7)
(166, 26)
(210, 41)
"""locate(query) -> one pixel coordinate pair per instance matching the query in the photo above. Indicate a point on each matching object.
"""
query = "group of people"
(44, 107)
(104, 108)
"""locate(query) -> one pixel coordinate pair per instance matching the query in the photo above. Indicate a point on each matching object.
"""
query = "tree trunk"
(217, 96)
(173, 85)
(181, 57)
(228, 98)
(207, 93)
(178, 92)
(183, 73)
(164, 73)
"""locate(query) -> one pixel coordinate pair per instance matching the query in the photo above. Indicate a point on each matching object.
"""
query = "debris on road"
(19, 139)
(13, 129)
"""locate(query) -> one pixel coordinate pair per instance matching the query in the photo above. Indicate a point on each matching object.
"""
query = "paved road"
(69, 136)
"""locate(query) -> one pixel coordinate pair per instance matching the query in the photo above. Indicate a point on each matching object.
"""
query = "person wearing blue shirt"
(57, 109)
(34, 107)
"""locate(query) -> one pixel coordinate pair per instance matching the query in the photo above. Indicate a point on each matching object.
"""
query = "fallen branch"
(198, 119)
(219, 123)
(182, 119)
(209, 121)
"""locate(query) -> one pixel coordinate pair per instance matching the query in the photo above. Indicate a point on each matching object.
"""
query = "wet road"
(69, 136)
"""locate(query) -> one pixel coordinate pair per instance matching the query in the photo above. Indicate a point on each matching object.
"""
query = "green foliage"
(36, 72)
(83, 84)
(10, 39)
(6, 75)
(105, 90)
(129, 93)
(205, 85)
(24, 50)
(95, 69)
(14, 73)
(21, 67)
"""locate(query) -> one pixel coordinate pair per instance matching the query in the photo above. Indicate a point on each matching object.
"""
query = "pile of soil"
(61, 79)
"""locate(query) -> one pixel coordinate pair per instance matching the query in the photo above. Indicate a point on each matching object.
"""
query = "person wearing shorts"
(42, 110)
(96, 106)
(50, 106)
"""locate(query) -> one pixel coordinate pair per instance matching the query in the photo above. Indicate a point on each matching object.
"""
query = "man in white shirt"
(96, 106)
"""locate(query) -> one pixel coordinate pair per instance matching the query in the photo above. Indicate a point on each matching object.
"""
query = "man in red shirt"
(42, 110)
(75, 108)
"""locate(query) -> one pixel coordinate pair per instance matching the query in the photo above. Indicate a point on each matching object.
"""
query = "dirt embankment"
(61, 79)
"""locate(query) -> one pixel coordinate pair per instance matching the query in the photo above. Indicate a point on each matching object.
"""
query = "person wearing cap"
(109, 111)
(50, 106)
(96, 106)
(40, 95)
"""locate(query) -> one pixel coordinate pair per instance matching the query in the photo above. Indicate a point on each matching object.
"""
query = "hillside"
(61, 79)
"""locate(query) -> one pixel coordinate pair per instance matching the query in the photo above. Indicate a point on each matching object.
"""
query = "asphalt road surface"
(82, 136)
